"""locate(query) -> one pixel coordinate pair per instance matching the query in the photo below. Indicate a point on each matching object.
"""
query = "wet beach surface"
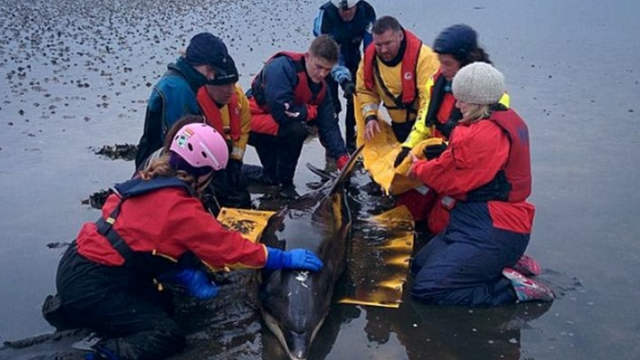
(75, 77)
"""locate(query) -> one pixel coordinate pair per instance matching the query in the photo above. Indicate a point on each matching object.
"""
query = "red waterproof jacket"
(477, 153)
(170, 222)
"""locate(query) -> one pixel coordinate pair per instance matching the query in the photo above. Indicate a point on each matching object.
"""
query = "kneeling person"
(107, 278)
(486, 172)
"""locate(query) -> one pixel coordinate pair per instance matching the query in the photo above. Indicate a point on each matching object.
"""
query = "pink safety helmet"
(201, 147)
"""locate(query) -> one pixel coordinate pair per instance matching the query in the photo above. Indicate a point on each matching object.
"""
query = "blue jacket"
(173, 97)
(349, 35)
(276, 84)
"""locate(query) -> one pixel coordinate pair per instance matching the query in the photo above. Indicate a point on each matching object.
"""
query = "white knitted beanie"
(478, 83)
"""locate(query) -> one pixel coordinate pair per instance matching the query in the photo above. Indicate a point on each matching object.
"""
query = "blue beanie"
(457, 40)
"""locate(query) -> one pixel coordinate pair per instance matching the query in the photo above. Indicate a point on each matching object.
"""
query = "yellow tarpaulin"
(379, 260)
(250, 223)
(379, 155)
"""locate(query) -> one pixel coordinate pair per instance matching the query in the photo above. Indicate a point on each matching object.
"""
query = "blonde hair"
(160, 167)
(475, 112)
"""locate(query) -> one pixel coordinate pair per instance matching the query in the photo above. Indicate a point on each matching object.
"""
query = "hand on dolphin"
(293, 259)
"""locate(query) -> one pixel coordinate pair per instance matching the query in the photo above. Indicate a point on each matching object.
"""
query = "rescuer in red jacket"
(154, 230)
(486, 175)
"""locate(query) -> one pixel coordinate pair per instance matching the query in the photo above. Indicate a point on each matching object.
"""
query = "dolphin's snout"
(298, 345)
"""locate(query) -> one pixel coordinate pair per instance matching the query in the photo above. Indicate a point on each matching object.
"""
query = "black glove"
(371, 117)
(349, 89)
(234, 172)
(446, 128)
(401, 156)
(434, 151)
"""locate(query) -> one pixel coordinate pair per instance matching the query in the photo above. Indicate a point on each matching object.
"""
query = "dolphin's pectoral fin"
(315, 185)
(324, 175)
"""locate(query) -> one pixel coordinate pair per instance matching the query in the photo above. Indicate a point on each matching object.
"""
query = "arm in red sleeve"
(216, 246)
(475, 155)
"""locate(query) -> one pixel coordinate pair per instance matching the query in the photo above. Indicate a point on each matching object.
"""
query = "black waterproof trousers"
(279, 154)
(463, 264)
(126, 310)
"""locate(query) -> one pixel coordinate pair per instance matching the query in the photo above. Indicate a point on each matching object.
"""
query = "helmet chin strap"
(202, 184)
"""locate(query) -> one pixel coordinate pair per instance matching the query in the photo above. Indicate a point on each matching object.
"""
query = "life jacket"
(348, 34)
(437, 99)
(409, 93)
(142, 262)
(302, 91)
(214, 117)
(513, 183)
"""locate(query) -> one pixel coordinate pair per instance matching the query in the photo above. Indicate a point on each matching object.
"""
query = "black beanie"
(208, 49)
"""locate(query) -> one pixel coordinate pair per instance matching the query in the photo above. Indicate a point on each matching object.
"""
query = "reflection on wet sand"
(429, 332)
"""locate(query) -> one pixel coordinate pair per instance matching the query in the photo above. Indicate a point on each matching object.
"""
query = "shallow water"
(75, 76)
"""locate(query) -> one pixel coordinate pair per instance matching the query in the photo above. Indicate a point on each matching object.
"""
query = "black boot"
(288, 191)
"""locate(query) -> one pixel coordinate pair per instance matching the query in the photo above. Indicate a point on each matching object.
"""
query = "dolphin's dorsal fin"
(344, 174)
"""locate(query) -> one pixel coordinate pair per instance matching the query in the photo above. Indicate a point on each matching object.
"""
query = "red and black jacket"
(303, 93)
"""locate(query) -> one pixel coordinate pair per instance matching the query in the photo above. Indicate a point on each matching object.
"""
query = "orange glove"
(342, 161)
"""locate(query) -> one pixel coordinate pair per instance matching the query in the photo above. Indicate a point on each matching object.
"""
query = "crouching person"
(226, 108)
(154, 230)
(287, 97)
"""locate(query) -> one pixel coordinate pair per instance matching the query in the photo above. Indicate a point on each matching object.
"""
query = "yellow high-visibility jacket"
(239, 146)
(392, 77)
(245, 123)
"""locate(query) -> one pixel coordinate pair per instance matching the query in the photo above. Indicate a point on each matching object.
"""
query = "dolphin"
(294, 304)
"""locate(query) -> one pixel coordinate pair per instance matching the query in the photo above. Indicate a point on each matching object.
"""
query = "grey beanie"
(478, 83)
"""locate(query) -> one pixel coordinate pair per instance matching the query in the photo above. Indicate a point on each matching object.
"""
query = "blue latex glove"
(293, 259)
(101, 353)
(340, 74)
(196, 282)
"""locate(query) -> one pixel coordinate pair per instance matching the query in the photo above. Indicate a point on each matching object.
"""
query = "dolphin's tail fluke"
(346, 171)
